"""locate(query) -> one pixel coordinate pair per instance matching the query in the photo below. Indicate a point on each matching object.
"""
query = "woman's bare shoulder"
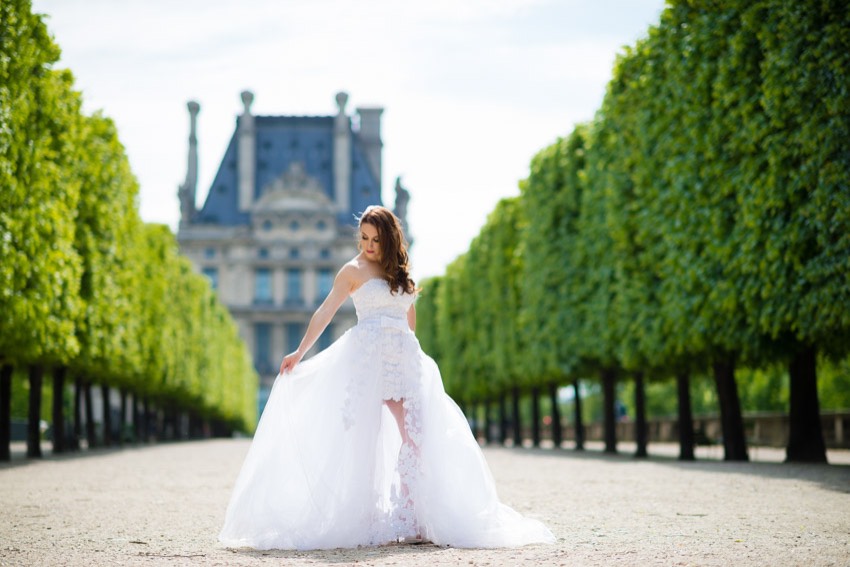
(357, 271)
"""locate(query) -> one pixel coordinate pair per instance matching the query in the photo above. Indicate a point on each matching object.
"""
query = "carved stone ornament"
(293, 191)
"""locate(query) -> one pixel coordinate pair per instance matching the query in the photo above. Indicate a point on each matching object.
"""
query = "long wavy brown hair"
(394, 259)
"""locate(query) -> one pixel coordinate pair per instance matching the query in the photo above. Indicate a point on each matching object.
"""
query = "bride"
(360, 445)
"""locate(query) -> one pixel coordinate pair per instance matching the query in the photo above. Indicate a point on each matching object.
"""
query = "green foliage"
(19, 405)
(190, 348)
(796, 201)
(426, 316)
(506, 352)
(764, 389)
(662, 131)
(83, 282)
(467, 318)
(549, 313)
(704, 212)
(592, 289)
(39, 123)
(107, 224)
(493, 269)
(834, 384)
(452, 329)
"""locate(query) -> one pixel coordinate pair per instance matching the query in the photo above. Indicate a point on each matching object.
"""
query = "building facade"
(279, 221)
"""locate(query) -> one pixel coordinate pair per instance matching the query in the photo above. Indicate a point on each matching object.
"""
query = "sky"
(471, 89)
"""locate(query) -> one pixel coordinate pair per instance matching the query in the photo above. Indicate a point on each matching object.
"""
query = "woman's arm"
(411, 317)
(342, 287)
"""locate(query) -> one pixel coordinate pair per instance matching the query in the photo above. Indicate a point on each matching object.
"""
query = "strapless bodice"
(373, 301)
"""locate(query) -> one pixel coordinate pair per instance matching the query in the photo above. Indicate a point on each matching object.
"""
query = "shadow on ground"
(418, 554)
(19, 453)
(834, 477)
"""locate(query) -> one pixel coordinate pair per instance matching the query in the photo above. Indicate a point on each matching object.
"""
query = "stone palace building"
(279, 221)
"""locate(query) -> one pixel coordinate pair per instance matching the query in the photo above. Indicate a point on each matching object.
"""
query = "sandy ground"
(163, 505)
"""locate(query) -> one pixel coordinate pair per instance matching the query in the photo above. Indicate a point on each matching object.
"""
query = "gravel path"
(163, 505)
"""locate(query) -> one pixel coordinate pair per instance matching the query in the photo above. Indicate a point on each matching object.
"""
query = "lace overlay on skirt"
(394, 348)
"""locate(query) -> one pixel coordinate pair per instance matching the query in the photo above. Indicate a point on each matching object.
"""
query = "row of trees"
(87, 290)
(700, 221)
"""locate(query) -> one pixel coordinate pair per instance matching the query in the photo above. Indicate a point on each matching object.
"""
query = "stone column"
(342, 156)
(247, 163)
(278, 343)
(310, 282)
(370, 137)
(278, 279)
(187, 190)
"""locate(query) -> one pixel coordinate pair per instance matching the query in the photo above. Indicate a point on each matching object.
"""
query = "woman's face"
(369, 243)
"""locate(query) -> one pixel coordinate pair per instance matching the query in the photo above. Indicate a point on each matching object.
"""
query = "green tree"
(675, 208)
(452, 341)
(795, 200)
(84, 286)
(39, 271)
(491, 271)
(550, 319)
(107, 224)
(426, 316)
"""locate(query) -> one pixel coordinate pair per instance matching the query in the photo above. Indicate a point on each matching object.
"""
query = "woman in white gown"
(360, 445)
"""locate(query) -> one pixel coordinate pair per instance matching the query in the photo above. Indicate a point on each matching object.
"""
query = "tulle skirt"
(328, 468)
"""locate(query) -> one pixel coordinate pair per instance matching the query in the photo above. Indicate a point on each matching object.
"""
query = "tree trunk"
(503, 418)
(122, 420)
(146, 425)
(78, 414)
(686, 419)
(805, 438)
(609, 380)
(5, 411)
(194, 425)
(517, 429)
(91, 434)
(488, 423)
(640, 416)
(470, 411)
(535, 416)
(161, 427)
(178, 423)
(557, 433)
(734, 438)
(136, 417)
(164, 421)
(222, 429)
(168, 423)
(34, 421)
(182, 417)
(579, 422)
(107, 416)
(59, 409)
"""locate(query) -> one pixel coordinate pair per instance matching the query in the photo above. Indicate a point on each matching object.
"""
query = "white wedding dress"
(327, 467)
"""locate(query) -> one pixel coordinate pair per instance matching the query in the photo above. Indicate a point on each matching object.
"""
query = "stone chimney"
(247, 162)
(402, 198)
(186, 192)
(342, 156)
(370, 137)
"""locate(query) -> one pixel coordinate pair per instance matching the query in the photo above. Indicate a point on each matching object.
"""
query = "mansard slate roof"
(280, 141)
